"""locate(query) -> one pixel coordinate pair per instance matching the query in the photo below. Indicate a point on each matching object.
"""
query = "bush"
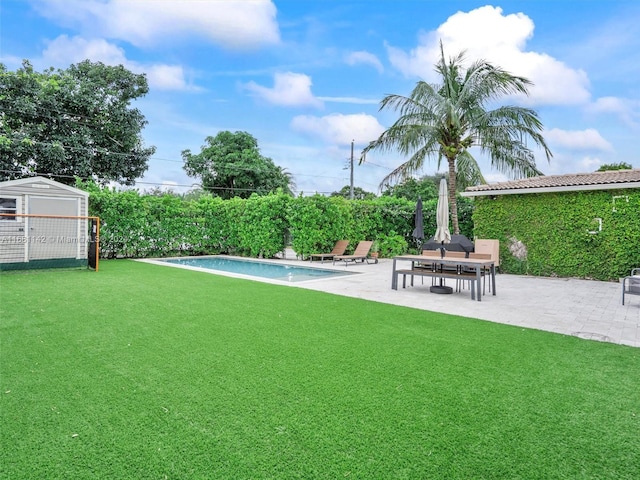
(392, 245)
(138, 225)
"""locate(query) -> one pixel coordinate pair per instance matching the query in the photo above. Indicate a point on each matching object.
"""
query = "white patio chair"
(631, 284)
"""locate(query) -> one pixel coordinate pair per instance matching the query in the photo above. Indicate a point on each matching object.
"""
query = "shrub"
(392, 245)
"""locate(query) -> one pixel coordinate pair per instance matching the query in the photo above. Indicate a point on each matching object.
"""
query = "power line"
(104, 151)
(157, 184)
(232, 168)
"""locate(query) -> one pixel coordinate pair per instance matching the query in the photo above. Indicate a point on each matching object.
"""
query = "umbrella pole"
(443, 289)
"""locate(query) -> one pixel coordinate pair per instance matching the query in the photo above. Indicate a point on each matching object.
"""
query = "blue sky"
(306, 77)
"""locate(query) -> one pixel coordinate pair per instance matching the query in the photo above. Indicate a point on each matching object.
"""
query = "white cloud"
(364, 58)
(627, 110)
(234, 24)
(167, 77)
(64, 51)
(339, 129)
(485, 33)
(589, 139)
(419, 61)
(289, 89)
(588, 164)
(609, 105)
(12, 62)
(354, 100)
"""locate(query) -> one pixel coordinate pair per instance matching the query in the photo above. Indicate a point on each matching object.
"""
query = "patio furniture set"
(471, 267)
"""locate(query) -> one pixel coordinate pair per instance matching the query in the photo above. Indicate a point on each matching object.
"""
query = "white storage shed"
(43, 224)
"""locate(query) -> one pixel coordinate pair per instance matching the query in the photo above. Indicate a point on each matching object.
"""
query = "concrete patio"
(583, 308)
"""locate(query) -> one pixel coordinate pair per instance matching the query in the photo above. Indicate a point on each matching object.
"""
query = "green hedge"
(317, 222)
(135, 225)
(554, 231)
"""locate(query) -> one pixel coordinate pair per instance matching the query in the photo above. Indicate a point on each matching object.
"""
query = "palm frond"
(468, 171)
(443, 121)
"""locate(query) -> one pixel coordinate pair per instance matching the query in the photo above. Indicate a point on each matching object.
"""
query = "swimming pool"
(256, 268)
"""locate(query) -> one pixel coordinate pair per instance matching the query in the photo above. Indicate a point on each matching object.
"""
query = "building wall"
(584, 234)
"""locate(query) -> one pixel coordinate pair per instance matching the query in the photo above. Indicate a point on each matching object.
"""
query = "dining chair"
(483, 272)
(456, 269)
(491, 247)
(428, 265)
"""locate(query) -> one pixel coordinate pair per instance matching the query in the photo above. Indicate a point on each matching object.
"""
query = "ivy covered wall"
(589, 234)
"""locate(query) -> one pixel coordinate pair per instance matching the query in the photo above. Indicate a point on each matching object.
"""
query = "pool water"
(275, 271)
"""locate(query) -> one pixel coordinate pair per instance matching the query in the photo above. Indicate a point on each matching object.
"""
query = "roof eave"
(567, 188)
(27, 180)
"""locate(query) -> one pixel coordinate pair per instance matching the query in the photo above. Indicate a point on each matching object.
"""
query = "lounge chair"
(361, 253)
(339, 248)
(484, 272)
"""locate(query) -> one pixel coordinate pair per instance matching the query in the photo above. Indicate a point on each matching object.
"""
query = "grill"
(458, 243)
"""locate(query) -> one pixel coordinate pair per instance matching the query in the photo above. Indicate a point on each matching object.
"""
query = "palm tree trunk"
(453, 202)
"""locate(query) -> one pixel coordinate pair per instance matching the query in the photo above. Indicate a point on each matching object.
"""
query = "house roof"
(40, 182)
(608, 180)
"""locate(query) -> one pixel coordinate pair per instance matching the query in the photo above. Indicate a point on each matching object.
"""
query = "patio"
(583, 308)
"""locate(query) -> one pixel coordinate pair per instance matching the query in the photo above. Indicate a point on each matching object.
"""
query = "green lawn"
(141, 371)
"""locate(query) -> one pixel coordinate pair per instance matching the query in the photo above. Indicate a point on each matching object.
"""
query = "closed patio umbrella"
(443, 235)
(418, 231)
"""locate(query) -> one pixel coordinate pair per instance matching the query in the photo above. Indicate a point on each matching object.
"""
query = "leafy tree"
(71, 123)
(443, 121)
(160, 192)
(411, 188)
(358, 193)
(230, 165)
(615, 166)
(194, 194)
(426, 188)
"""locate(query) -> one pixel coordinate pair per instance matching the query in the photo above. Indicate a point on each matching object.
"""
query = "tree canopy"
(230, 165)
(71, 123)
(445, 120)
(359, 193)
(615, 166)
(411, 188)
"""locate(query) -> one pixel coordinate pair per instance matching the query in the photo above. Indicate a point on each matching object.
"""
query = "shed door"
(52, 238)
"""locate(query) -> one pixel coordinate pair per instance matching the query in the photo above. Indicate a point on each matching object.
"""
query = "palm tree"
(447, 119)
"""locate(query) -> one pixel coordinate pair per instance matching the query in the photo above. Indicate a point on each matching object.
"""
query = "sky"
(306, 77)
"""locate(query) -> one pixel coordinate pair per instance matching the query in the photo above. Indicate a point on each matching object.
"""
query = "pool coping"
(163, 262)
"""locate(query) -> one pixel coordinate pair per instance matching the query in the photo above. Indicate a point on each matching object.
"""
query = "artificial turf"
(142, 371)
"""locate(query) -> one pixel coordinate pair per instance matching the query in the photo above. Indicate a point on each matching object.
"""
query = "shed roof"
(608, 180)
(39, 182)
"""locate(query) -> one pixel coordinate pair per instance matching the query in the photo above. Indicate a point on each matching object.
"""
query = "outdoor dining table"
(476, 264)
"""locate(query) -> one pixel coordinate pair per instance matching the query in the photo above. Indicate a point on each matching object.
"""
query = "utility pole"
(351, 189)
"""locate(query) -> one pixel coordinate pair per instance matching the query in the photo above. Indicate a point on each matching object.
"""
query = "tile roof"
(570, 181)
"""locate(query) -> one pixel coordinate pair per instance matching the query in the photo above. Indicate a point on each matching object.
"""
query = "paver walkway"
(585, 308)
